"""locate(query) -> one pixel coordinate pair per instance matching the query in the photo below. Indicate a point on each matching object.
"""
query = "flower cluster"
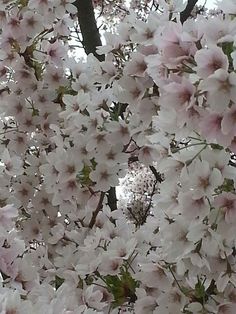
(165, 98)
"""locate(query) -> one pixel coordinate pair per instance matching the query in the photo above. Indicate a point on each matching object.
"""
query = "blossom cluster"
(165, 96)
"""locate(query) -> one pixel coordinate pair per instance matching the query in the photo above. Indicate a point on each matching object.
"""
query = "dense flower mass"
(162, 105)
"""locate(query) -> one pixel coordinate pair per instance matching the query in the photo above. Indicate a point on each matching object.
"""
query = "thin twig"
(156, 174)
(97, 210)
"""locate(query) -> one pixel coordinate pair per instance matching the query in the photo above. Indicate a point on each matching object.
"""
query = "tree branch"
(112, 200)
(97, 210)
(232, 163)
(88, 27)
(156, 174)
(186, 13)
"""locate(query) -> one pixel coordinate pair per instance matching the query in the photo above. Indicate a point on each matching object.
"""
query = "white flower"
(7, 214)
(12, 165)
(204, 180)
(227, 6)
(104, 177)
(120, 248)
(57, 233)
(209, 60)
(221, 88)
(32, 23)
(110, 264)
(93, 298)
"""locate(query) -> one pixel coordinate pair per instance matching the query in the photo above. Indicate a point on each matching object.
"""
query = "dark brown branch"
(112, 200)
(158, 178)
(144, 218)
(88, 27)
(186, 13)
(156, 174)
(97, 210)
(232, 163)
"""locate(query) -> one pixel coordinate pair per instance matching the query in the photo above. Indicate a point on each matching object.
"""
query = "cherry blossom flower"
(179, 94)
(221, 89)
(227, 6)
(64, 6)
(227, 203)
(32, 23)
(12, 165)
(211, 128)
(205, 180)
(192, 207)
(228, 121)
(67, 166)
(104, 177)
(55, 52)
(209, 60)
(7, 213)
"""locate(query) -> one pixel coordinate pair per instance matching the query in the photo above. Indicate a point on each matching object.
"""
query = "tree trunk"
(88, 27)
(185, 14)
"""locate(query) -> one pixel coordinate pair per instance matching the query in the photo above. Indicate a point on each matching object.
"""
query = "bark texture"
(186, 13)
(88, 27)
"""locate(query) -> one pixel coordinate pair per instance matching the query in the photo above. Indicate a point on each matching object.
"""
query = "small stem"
(95, 213)
(177, 282)
(195, 156)
(12, 130)
(194, 144)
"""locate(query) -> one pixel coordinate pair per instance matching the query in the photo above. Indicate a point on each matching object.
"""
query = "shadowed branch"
(186, 13)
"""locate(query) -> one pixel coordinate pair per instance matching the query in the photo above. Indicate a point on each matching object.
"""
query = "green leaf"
(83, 175)
(216, 146)
(122, 288)
(58, 281)
(227, 186)
(200, 290)
(228, 48)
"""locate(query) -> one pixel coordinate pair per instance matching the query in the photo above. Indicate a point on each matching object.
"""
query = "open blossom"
(61, 7)
(227, 203)
(67, 166)
(221, 89)
(227, 6)
(7, 214)
(32, 23)
(228, 121)
(209, 60)
(120, 248)
(211, 127)
(57, 233)
(93, 298)
(192, 207)
(12, 165)
(227, 308)
(104, 177)
(178, 94)
(55, 52)
(204, 179)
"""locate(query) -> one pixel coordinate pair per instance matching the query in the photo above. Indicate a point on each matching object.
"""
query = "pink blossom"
(229, 120)
(227, 203)
(211, 128)
(7, 214)
(209, 60)
(221, 89)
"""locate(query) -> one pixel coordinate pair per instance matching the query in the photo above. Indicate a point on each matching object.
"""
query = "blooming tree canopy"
(162, 94)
